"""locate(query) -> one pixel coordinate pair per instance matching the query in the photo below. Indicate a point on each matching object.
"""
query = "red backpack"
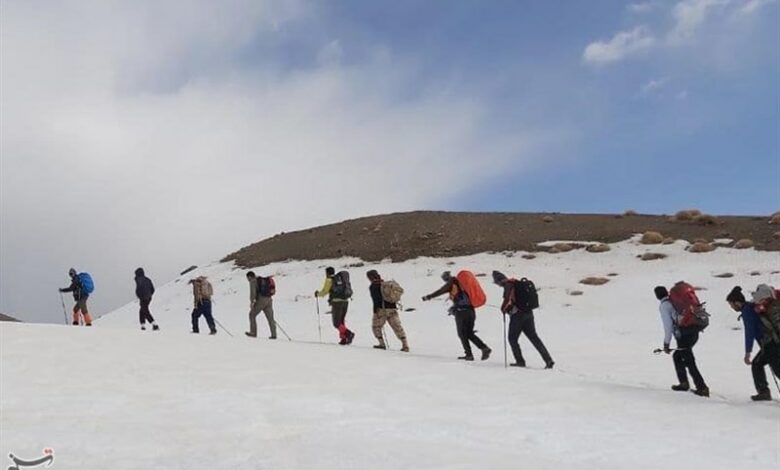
(690, 311)
(470, 285)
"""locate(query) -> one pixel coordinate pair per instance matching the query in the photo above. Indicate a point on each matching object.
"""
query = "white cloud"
(622, 45)
(689, 15)
(654, 85)
(137, 134)
(642, 7)
(754, 5)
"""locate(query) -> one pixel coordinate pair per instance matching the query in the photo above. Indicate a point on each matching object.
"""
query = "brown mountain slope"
(403, 236)
(4, 317)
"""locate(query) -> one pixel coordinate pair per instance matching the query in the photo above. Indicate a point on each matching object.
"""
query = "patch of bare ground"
(594, 281)
(651, 256)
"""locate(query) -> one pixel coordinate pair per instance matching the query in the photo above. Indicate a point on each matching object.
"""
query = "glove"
(425, 298)
(61, 290)
(316, 294)
(747, 359)
(666, 349)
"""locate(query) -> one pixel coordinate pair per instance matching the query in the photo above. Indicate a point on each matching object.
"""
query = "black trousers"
(520, 323)
(203, 308)
(464, 321)
(144, 315)
(768, 356)
(338, 313)
(684, 360)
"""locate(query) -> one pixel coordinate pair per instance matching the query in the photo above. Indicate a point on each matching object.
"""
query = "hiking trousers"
(684, 360)
(768, 356)
(203, 308)
(464, 321)
(265, 305)
(80, 310)
(390, 316)
(144, 315)
(520, 323)
(338, 314)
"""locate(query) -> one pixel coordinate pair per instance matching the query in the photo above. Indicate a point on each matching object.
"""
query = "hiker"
(687, 336)
(339, 291)
(519, 301)
(385, 296)
(767, 336)
(465, 315)
(202, 293)
(144, 290)
(261, 291)
(81, 286)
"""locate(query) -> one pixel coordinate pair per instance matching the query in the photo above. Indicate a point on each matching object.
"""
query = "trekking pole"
(64, 310)
(775, 377)
(282, 330)
(659, 350)
(384, 335)
(506, 364)
(319, 323)
(223, 328)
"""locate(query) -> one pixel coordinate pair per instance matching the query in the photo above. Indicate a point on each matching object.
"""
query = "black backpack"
(266, 287)
(341, 288)
(526, 298)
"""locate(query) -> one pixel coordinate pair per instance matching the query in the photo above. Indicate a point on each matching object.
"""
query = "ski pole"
(659, 350)
(282, 330)
(775, 377)
(384, 335)
(223, 328)
(319, 323)
(64, 310)
(505, 360)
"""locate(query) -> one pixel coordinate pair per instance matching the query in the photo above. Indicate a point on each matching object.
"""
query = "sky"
(163, 134)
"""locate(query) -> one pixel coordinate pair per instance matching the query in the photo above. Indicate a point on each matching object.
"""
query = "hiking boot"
(486, 353)
(350, 336)
(75, 323)
(764, 395)
(467, 357)
(702, 392)
(143, 328)
(549, 365)
(272, 337)
(250, 334)
(195, 332)
(212, 332)
(518, 364)
(89, 324)
(343, 341)
(683, 387)
(405, 348)
(380, 346)
(155, 328)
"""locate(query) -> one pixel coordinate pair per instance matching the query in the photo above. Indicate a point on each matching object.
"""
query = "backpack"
(690, 311)
(87, 285)
(341, 287)
(526, 299)
(205, 291)
(391, 291)
(266, 287)
(769, 314)
(469, 284)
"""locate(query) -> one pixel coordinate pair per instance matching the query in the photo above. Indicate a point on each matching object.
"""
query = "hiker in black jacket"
(144, 290)
(465, 316)
(521, 320)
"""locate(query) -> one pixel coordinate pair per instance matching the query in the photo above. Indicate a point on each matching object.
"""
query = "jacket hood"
(139, 272)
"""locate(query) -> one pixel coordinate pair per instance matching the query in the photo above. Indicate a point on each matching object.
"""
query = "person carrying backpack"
(144, 290)
(339, 290)
(261, 292)
(687, 336)
(202, 293)
(764, 333)
(520, 300)
(81, 286)
(464, 311)
(385, 296)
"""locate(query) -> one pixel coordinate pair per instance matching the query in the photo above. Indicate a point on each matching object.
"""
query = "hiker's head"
(373, 275)
(763, 293)
(446, 276)
(251, 275)
(72, 272)
(329, 271)
(736, 299)
(139, 272)
(661, 292)
(499, 278)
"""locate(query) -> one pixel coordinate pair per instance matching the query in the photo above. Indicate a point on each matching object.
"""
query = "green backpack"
(769, 313)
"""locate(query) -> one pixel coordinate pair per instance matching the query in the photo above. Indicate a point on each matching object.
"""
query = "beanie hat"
(373, 274)
(499, 278)
(763, 292)
(736, 295)
(661, 292)
(72, 272)
(329, 271)
(446, 276)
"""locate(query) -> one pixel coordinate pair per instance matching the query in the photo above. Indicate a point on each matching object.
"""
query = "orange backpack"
(470, 285)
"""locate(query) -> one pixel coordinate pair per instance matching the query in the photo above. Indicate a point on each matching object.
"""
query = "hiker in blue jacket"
(770, 350)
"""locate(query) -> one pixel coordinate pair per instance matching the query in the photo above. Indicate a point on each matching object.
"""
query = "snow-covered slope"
(116, 397)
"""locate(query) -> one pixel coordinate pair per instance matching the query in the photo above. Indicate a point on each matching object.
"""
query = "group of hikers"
(683, 316)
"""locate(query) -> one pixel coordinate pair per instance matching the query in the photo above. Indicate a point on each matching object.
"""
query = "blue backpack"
(87, 285)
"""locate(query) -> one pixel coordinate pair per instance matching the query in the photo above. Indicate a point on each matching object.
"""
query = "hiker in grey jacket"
(144, 290)
(261, 291)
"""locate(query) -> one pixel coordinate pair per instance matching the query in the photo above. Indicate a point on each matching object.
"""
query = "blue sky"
(165, 134)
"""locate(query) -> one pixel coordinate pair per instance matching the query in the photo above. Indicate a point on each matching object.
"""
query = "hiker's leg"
(472, 334)
(462, 324)
(195, 317)
(759, 372)
(530, 332)
(690, 361)
(206, 308)
(679, 366)
(377, 322)
(513, 336)
(269, 316)
(253, 312)
(394, 319)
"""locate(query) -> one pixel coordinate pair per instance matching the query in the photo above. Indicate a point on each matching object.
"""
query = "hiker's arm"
(667, 317)
(252, 291)
(70, 288)
(749, 319)
(325, 288)
(507, 304)
(376, 296)
(442, 290)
